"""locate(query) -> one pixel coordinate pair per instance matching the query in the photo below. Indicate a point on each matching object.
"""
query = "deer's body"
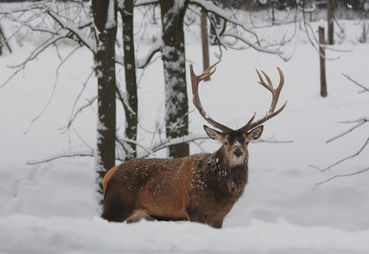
(196, 188)
(201, 187)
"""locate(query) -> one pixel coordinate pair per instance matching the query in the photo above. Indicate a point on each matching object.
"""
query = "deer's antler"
(275, 96)
(195, 79)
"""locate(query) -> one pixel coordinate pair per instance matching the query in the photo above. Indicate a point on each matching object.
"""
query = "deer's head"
(235, 142)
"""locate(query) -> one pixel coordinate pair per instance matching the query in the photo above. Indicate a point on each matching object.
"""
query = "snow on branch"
(145, 2)
(253, 45)
(239, 33)
(111, 18)
(143, 62)
(209, 6)
(160, 145)
(123, 98)
(172, 141)
(88, 42)
(272, 141)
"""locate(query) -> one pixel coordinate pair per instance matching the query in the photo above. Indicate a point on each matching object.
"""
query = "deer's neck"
(228, 179)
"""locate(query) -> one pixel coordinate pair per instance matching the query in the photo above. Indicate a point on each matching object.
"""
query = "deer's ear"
(255, 133)
(213, 134)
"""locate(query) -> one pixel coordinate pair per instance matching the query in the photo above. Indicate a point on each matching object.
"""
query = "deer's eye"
(225, 143)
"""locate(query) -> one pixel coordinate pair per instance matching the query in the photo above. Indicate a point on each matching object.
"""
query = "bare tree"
(129, 99)
(105, 20)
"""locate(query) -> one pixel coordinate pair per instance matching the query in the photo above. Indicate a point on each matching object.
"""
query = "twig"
(366, 89)
(143, 62)
(360, 122)
(343, 159)
(341, 175)
(211, 7)
(89, 103)
(60, 156)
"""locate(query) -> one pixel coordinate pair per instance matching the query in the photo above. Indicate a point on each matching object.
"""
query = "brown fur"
(199, 188)
(108, 176)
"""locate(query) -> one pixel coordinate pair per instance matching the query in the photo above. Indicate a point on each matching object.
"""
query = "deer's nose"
(237, 152)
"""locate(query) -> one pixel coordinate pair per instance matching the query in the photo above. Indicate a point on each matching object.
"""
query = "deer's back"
(160, 187)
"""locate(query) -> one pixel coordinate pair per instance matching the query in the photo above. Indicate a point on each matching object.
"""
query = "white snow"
(111, 15)
(51, 208)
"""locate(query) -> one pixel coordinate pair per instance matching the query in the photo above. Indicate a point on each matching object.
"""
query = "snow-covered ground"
(50, 208)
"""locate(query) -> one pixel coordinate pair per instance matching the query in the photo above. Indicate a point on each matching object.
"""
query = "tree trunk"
(131, 110)
(205, 41)
(323, 79)
(330, 13)
(104, 15)
(173, 56)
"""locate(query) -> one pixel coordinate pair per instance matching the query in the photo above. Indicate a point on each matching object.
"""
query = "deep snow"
(50, 208)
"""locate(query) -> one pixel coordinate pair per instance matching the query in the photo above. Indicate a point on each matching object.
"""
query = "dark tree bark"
(323, 79)
(105, 71)
(204, 40)
(173, 56)
(330, 14)
(131, 110)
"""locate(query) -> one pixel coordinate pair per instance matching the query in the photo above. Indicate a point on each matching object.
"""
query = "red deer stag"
(201, 187)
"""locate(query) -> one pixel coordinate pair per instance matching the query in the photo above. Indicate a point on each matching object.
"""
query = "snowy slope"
(50, 208)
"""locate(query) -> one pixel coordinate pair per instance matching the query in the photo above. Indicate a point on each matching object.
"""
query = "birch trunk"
(173, 56)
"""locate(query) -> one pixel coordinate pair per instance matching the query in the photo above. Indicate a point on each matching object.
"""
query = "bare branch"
(38, 50)
(359, 122)
(145, 2)
(211, 7)
(74, 116)
(123, 98)
(174, 141)
(126, 140)
(271, 141)
(342, 175)
(17, 9)
(88, 42)
(143, 62)
(89, 102)
(343, 159)
(366, 89)
(61, 156)
(255, 46)
(314, 41)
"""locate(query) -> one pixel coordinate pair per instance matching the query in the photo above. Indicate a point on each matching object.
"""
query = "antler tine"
(275, 96)
(281, 76)
(270, 84)
(262, 82)
(208, 72)
(277, 91)
(195, 79)
(247, 126)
